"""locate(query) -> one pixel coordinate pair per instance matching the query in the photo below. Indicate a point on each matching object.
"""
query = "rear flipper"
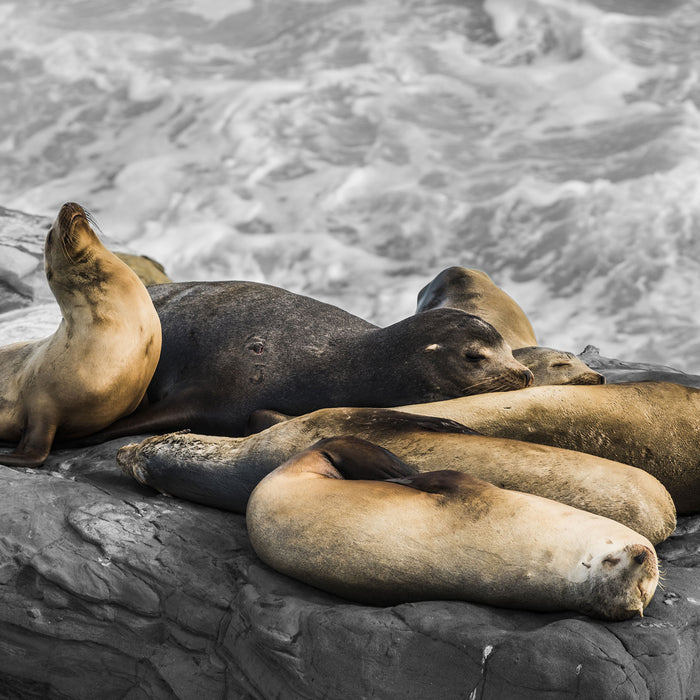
(447, 482)
(355, 458)
(183, 466)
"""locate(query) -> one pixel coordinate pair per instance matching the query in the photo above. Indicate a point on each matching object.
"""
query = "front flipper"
(35, 445)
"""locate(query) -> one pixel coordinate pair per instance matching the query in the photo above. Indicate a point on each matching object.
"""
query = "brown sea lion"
(149, 270)
(95, 368)
(222, 472)
(650, 425)
(231, 348)
(474, 291)
(441, 535)
(550, 366)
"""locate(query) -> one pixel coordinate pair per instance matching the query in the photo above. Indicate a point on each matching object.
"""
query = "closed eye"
(473, 357)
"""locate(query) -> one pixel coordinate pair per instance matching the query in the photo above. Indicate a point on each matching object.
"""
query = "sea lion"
(474, 291)
(550, 366)
(441, 535)
(95, 368)
(230, 348)
(618, 371)
(651, 425)
(222, 472)
(150, 271)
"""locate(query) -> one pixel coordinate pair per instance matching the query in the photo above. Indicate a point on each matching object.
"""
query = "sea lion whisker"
(91, 219)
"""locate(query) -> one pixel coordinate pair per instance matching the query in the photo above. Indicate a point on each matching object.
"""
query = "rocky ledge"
(109, 590)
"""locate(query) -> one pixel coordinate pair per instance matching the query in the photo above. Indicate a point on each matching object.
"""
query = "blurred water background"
(351, 150)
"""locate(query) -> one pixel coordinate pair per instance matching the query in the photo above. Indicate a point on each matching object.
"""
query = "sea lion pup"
(618, 371)
(95, 368)
(474, 291)
(441, 535)
(222, 472)
(550, 366)
(651, 425)
(230, 348)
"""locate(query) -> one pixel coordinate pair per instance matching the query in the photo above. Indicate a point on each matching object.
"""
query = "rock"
(618, 371)
(22, 280)
(108, 590)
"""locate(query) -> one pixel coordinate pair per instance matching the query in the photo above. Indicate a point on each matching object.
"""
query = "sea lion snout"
(69, 211)
(641, 557)
(644, 557)
(529, 377)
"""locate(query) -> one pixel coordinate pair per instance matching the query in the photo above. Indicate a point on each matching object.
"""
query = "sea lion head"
(622, 581)
(69, 243)
(550, 366)
(77, 265)
(461, 354)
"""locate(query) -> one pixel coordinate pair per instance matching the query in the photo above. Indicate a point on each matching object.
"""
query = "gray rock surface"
(108, 590)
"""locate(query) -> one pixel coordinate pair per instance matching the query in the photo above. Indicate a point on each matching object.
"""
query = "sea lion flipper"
(264, 418)
(444, 481)
(34, 446)
(437, 424)
(355, 458)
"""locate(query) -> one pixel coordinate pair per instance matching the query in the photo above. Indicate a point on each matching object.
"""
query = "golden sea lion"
(550, 366)
(441, 535)
(474, 291)
(650, 425)
(222, 472)
(95, 368)
(149, 270)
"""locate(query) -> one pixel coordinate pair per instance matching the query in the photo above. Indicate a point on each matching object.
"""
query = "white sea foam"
(353, 151)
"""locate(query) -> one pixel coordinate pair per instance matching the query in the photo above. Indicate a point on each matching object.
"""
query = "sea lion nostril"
(641, 557)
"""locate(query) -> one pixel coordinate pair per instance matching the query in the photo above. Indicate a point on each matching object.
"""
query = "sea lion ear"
(431, 348)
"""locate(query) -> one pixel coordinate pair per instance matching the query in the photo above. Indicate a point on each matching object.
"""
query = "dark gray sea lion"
(441, 535)
(95, 368)
(650, 425)
(474, 291)
(222, 472)
(231, 348)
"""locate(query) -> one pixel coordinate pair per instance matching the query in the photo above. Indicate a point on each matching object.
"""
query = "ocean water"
(351, 150)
